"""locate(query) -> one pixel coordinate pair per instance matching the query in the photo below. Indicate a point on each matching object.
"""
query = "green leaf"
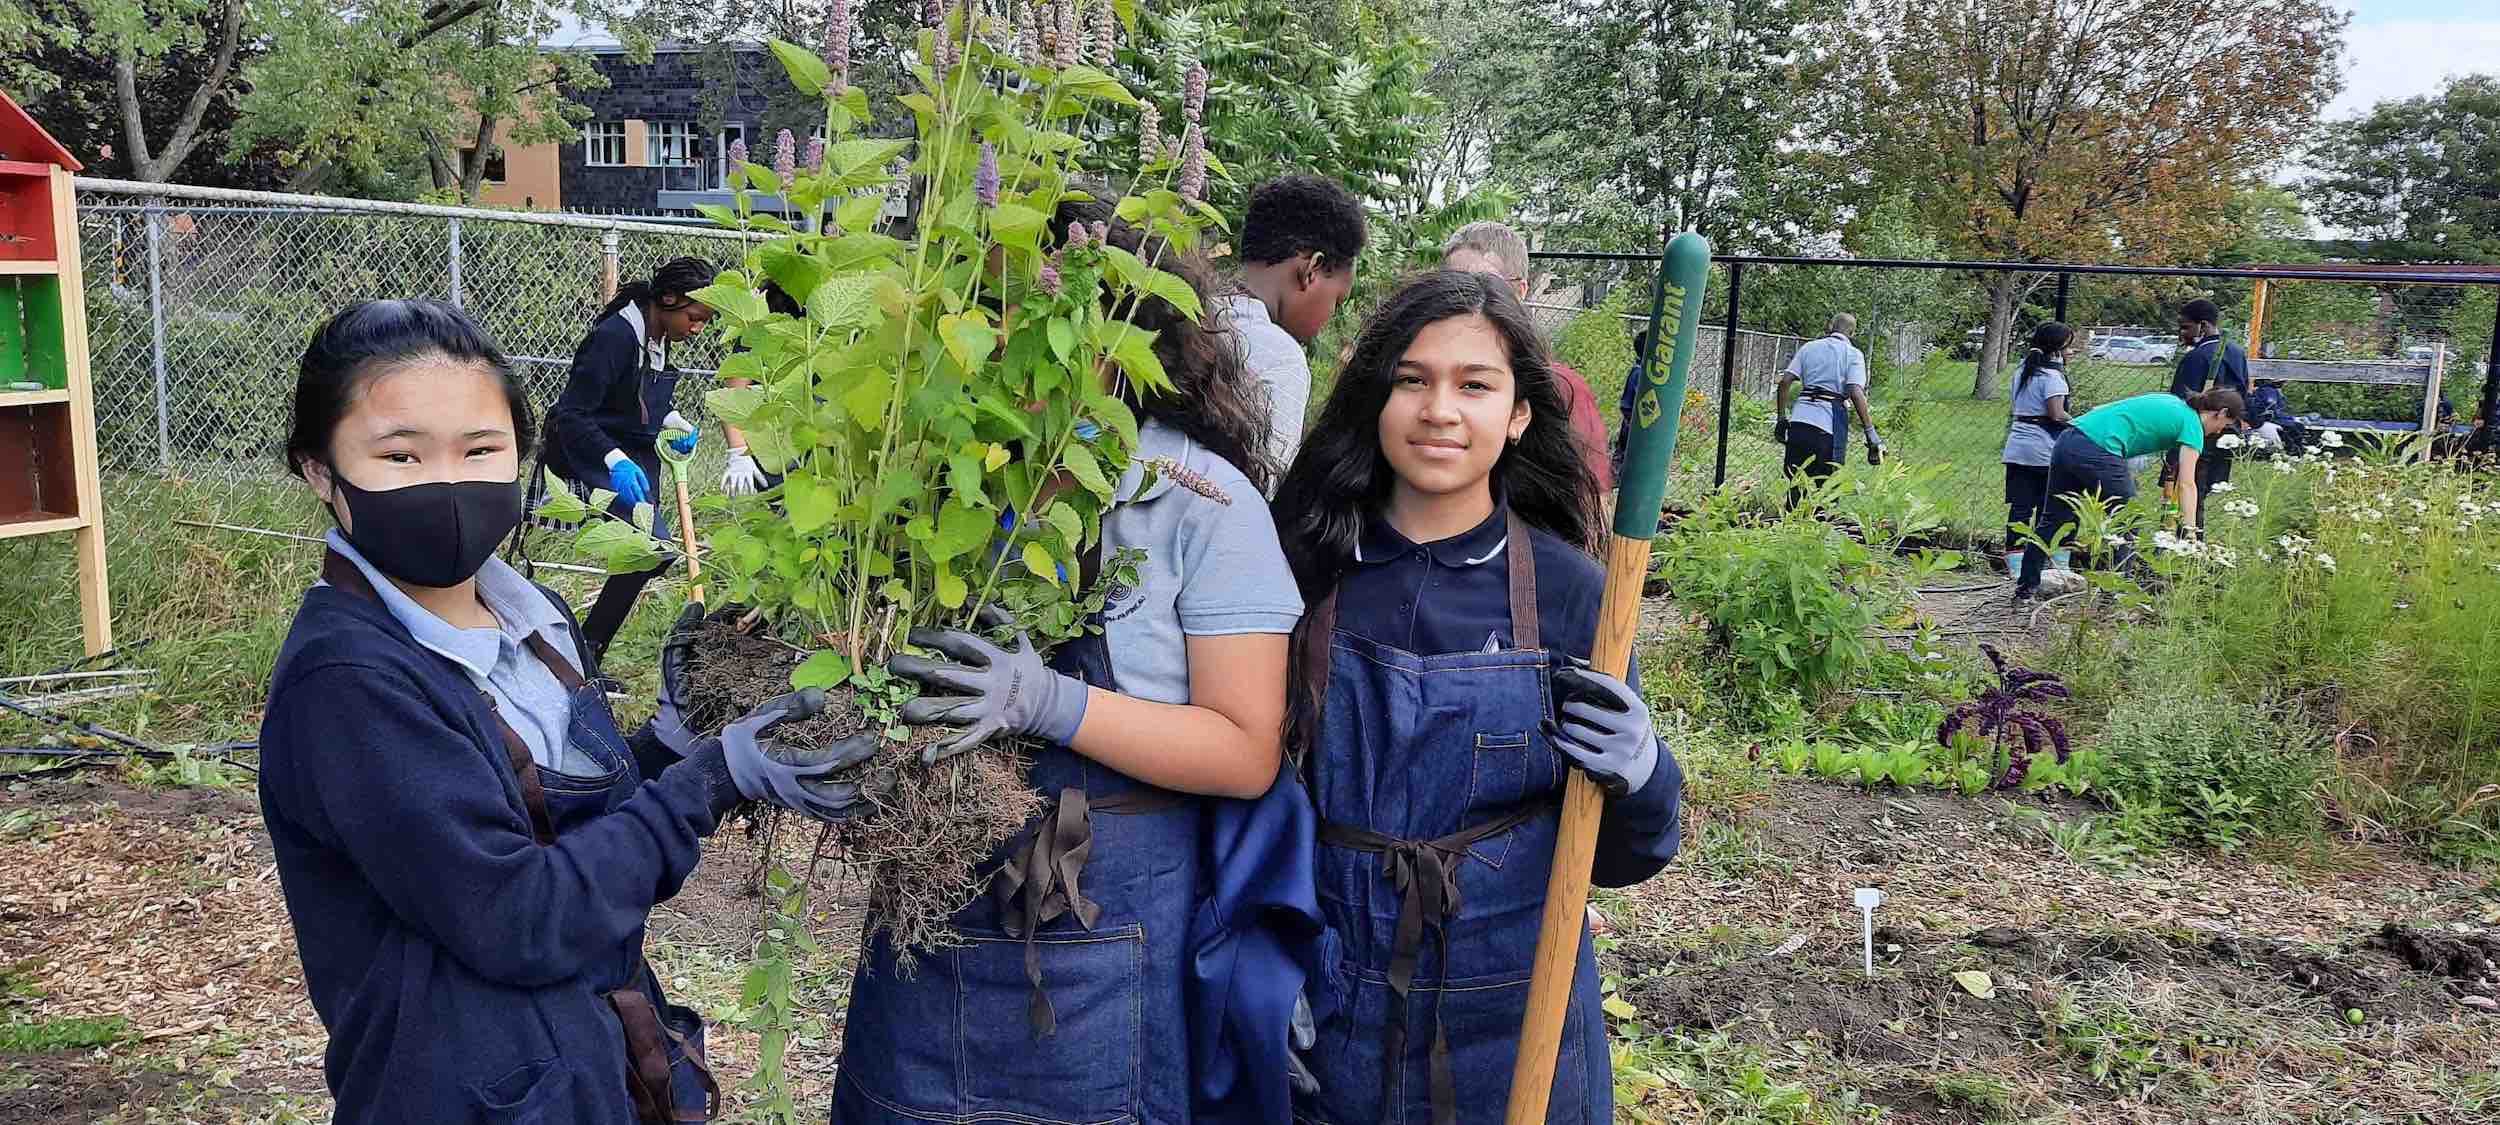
(961, 528)
(859, 212)
(823, 668)
(1062, 339)
(810, 503)
(734, 405)
(807, 72)
(871, 392)
(1133, 348)
(1070, 526)
(738, 303)
(797, 274)
(846, 158)
(1037, 559)
(842, 303)
(1977, 983)
(1014, 418)
(1087, 82)
(1115, 415)
(969, 338)
(1619, 1008)
(1014, 224)
(725, 216)
(560, 504)
(1080, 464)
(862, 249)
(951, 590)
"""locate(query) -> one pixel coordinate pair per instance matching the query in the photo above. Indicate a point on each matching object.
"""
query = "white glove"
(743, 477)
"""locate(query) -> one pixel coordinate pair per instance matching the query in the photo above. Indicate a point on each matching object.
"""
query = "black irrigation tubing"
(2426, 277)
(108, 655)
(74, 758)
(79, 725)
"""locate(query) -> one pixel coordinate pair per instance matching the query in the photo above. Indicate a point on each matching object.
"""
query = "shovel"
(676, 463)
(1675, 310)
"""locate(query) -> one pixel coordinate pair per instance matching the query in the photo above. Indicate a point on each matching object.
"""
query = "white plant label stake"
(1868, 898)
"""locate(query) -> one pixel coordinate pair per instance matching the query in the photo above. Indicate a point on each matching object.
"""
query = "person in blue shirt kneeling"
(468, 847)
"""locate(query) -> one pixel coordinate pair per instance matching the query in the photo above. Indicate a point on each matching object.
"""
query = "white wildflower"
(2283, 467)
(2367, 538)
(2241, 508)
(2225, 486)
(2419, 508)
(2326, 562)
(2330, 439)
(2229, 441)
(2412, 529)
(2222, 556)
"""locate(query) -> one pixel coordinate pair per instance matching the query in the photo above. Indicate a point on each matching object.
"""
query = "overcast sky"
(2405, 48)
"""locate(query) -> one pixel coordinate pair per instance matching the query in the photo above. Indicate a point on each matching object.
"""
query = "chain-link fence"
(1923, 328)
(199, 302)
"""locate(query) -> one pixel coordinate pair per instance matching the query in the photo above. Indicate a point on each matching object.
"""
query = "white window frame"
(597, 132)
(732, 131)
(659, 136)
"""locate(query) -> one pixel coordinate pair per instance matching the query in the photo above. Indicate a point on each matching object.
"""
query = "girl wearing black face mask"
(469, 849)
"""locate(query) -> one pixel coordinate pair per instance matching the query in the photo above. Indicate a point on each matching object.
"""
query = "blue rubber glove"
(685, 445)
(627, 481)
(1604, 726)
(998, 691)
(793, 777)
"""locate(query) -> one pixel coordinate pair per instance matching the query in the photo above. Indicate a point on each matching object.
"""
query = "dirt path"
(2169, 989)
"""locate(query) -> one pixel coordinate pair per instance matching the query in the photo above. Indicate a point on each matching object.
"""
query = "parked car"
(2103, 345)
(2420, 353)
(2143, 350)
(1970, 343)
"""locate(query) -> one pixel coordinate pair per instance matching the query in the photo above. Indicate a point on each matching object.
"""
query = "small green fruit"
(2354, 1016)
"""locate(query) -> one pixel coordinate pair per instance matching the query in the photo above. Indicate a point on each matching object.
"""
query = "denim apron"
(1439, 801)
(1062, 1002)
(665, 1074)
(1839, 406)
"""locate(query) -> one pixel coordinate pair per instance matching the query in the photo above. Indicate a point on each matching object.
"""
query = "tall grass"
(214, 606)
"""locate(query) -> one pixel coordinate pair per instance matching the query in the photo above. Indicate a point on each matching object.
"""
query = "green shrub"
(2189, 763)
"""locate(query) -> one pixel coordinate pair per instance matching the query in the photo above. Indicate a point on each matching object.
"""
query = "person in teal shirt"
(2091, 458)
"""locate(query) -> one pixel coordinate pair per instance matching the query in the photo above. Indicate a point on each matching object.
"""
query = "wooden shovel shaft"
(1658, 403)
(685, 538)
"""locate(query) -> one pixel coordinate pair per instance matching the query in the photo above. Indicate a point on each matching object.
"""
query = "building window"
(603, 144)
(734, 131)
(494, 164)
(672, 143)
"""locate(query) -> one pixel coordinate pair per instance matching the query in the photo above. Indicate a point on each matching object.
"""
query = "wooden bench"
(2375, 374)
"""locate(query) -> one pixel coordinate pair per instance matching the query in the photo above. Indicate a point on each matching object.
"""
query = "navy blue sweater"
(612, 399)
(458, 965)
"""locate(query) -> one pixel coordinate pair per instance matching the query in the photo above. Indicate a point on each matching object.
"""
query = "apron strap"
(1043, 878)
(1425, 875)
(1524, 629)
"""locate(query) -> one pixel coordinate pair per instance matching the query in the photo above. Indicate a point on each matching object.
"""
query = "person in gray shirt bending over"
(1298, 245)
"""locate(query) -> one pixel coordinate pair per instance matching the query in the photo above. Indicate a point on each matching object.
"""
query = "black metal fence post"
(1727, 368)
(2065, 285)
(2491, 373)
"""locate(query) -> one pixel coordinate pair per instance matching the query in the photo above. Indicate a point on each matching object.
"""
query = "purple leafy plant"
(2000, 715)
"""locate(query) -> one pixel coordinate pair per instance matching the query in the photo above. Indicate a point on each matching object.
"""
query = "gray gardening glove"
(994, 690)
(1874, 447)
(1305, 1036)
(668, 724)
(1604, 726)
(793, 777)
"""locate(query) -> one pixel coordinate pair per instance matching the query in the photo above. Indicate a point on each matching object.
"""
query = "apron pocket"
(1088, 1068)
(1499, 782)
(538, 1092)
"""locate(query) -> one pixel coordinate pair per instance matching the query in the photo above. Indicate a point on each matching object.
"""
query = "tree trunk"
(158, 166)
(473, 172)
(2003, 288)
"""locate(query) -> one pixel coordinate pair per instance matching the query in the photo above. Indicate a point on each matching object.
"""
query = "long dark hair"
(1214, 398)
(370, 338)
(2047, 342)
(667, 288)
(1341, 477)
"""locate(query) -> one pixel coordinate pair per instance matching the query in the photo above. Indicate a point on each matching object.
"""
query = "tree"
(402, 82)
(78, 100)
(2421, 175)
(2083, 130)
(156, 52)
(1638, 112)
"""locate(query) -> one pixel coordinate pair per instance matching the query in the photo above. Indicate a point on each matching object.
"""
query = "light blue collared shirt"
(498, 660)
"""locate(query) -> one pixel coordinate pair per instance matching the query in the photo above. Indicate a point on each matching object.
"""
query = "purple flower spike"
(985, 178)
(815, 154)
(1149, 134)
(1065, 52)
(785, 156)
(838, 43)
(1194, 166)
(1194, 93)
(1106, 34)
(1076, 237)
(738, 152)
(932, 13)
(1050, 278)
(1028, 37)
(1102, 232)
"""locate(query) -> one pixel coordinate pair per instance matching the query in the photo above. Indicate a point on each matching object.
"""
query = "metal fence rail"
(199, 301)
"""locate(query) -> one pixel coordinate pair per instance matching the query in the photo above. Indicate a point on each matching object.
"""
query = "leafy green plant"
(2000, 713)
(62, 1034)
(949, 414)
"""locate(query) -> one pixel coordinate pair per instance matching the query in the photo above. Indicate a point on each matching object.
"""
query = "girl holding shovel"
(468, 848)
(607, 423)
(1439, 696)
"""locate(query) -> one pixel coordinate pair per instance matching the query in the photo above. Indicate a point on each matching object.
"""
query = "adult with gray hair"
(1828, 375)
(1491, 248)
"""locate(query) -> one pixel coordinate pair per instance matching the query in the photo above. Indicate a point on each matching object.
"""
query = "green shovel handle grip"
(1658, 405)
